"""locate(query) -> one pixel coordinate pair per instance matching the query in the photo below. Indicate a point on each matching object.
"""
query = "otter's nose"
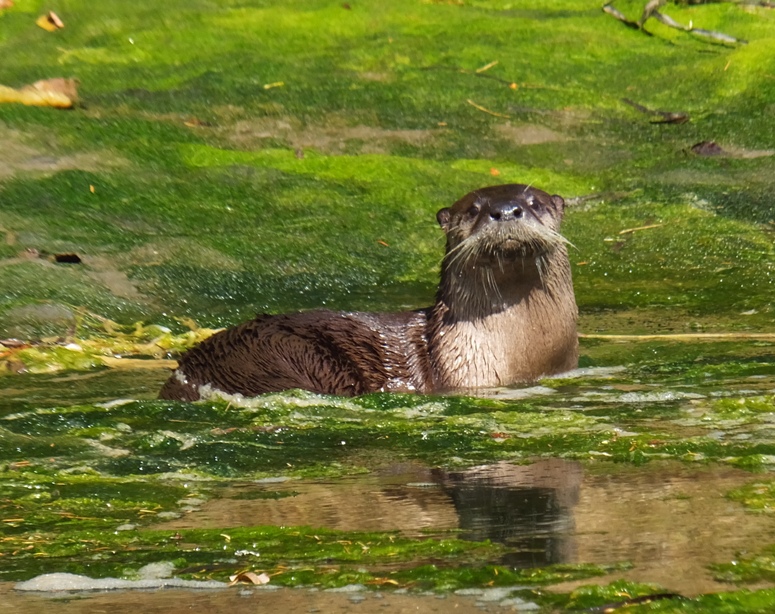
(503, 212)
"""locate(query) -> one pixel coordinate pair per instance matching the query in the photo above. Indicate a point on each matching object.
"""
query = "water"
(669, 520)
(630, 465)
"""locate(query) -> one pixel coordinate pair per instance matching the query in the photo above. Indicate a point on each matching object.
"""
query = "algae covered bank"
(234, 158)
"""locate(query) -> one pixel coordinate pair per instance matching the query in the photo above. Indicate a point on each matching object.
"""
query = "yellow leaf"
(50, 22)
(59, 93)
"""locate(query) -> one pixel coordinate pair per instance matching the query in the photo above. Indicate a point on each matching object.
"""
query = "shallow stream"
(648, 472)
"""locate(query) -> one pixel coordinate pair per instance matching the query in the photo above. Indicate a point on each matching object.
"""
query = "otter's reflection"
(526, 507)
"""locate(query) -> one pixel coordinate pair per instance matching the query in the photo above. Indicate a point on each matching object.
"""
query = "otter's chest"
(503, 348)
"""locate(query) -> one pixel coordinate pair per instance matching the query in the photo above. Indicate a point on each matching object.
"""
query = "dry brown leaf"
(249, 577)
(60, 93)
(50, 22)
(5, 4)
(54, 18)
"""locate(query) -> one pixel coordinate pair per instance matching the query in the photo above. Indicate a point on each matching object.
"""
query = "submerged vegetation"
(227, 158)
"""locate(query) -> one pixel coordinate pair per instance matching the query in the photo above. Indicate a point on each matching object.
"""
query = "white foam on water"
(68, 582)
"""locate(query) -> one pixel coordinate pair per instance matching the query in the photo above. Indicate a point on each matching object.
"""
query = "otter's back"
(343, 353)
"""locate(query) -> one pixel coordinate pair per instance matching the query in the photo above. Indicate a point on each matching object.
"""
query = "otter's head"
(502, 243)
(500, 224)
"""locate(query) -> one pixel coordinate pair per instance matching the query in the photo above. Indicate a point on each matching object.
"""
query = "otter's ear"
(443, 217)
(559, 204)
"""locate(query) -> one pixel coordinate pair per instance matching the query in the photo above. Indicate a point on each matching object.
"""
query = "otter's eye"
(473, 211)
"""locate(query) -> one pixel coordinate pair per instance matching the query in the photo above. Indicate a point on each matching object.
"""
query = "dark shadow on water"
(528, 508)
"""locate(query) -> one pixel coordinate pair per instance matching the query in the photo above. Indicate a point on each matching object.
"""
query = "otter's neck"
(501, 324)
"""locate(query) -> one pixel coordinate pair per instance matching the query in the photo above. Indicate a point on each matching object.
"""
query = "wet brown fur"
(504, 313)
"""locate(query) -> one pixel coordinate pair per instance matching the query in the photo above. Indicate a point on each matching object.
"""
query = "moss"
(748, 568)
(758, 496)
(735, 602)
(35, 501)
(262, 157)
(591, 596)
(183, 144)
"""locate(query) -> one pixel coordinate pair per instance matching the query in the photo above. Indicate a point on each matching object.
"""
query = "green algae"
(600, 596)
(641, 598)
(268, 547)
(633, 597)
(90, 341)
(305, 434)
(83, 523)
(737, 602)
(55, 496)
(758, 496)
(298, 556)
(362, 99)
(33, 502)
(216, 197)
(748, 568)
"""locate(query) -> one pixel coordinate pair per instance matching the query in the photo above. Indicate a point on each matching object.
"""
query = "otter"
(505, 313)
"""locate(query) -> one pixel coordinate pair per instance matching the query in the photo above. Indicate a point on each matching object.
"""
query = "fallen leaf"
(50, 22)
(59, 93)
(5, 4)
(494, 172)
(91, 188)
(19, 465)
(249, 577)
(707, 148)
(196, 122)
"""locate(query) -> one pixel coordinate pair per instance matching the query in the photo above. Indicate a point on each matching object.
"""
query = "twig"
(475, 73)
(667, 117)
(627, 231)
(617, 14)
(651, 10)
(486, 67)
(719, 36)
(684, 337)
(483, 110)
